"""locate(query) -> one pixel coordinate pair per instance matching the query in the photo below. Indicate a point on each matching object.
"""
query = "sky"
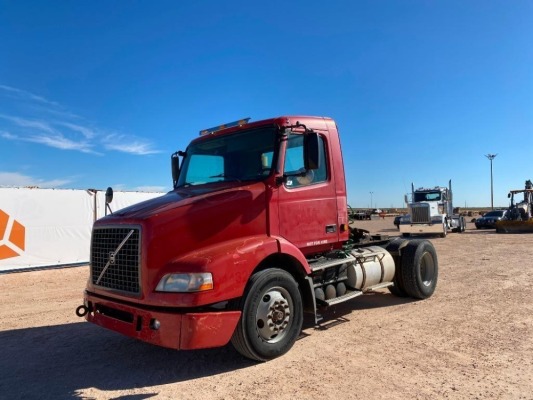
(98, 93)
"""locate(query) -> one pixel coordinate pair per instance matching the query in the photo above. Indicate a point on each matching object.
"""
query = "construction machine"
(519, 216)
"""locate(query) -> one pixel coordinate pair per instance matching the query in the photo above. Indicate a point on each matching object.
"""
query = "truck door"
(307, 204)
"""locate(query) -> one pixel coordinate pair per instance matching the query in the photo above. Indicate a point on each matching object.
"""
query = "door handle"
(331, 228)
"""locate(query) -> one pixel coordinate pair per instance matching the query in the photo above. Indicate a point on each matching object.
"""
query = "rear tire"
(462, 226)
(394, 247)
(419, 269)
(272, 316)
(397, 289)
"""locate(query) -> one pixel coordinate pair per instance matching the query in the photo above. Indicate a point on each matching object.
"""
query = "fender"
(231, 263)
(286, 247)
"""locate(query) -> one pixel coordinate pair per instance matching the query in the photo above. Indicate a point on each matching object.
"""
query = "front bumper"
(421, 228)
(175, 330)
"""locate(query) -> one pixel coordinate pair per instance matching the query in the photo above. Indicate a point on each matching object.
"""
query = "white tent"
(51, 227)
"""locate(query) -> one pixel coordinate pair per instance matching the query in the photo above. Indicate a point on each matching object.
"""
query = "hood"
(176, 198)
(190, 219)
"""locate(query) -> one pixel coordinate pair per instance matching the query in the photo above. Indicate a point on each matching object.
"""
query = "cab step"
(352, 294)
(340, 299)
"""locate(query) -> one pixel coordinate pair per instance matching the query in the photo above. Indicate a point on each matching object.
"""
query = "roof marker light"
(239, 122)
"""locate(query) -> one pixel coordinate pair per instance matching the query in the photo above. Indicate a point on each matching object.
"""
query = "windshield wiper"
(226, 177)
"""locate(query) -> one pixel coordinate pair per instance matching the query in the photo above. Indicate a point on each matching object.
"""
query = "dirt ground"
(472, 340)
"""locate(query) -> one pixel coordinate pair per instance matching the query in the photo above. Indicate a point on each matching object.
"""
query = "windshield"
(494, 214)
(241, 156)
(427, 196)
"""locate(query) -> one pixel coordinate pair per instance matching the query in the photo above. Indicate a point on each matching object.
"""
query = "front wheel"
(272, 316)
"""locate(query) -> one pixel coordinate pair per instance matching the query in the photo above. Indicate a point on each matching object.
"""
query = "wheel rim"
(273, 316)
(427, 269)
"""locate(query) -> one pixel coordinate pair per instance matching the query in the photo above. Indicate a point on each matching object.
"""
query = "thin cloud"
(29, 123)
(64, 131)
(16, 179)
(27, 95)
(61, 142)
(156, 189)
(87, 132)
(55, 140)
(8, 136)
(128, 144)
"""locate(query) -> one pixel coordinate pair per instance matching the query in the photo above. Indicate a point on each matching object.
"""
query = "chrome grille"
(420, 214)
(114, 266)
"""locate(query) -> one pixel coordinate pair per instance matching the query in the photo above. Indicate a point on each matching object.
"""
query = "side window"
(294, 163)
(266, 162)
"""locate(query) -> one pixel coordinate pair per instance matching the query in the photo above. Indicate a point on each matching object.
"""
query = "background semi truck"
(431, 211)
(254, 234)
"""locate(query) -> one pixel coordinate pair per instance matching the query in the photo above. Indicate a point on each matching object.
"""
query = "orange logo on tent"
(12, 237)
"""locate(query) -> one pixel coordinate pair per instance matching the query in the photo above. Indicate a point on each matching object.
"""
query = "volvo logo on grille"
(113, 255)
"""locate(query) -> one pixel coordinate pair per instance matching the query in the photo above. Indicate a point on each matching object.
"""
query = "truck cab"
(253, 234)
(431, 211)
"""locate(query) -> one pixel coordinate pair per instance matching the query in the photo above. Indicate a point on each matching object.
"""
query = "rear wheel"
(394, 247)
(419, 269)
(397, 289)
(272, 316)
(462, 225)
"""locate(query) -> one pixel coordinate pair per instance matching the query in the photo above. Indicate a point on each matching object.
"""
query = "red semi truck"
(254, 233)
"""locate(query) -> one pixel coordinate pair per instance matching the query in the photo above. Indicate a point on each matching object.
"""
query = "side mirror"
(311, 151)
(109, 195)
(508, 195)
(175, 166)
(108, 199)
(405, 199)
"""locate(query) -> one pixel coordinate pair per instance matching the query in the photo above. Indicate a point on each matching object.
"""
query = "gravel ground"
(472, 340)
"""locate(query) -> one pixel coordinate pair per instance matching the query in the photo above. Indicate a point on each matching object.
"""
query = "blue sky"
(100, 93)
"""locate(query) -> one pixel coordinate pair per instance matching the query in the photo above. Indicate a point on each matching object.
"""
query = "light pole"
(491, 157)
(371, 193)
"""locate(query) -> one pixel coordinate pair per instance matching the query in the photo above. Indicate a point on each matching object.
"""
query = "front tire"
(272, 316)
(419, 269)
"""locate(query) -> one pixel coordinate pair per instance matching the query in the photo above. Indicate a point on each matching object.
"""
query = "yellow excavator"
(519, 216)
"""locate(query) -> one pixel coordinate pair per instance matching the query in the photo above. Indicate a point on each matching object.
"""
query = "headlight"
(183, 283)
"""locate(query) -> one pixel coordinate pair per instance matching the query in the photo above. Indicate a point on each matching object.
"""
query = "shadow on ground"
(57, 362)
(365, 302)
